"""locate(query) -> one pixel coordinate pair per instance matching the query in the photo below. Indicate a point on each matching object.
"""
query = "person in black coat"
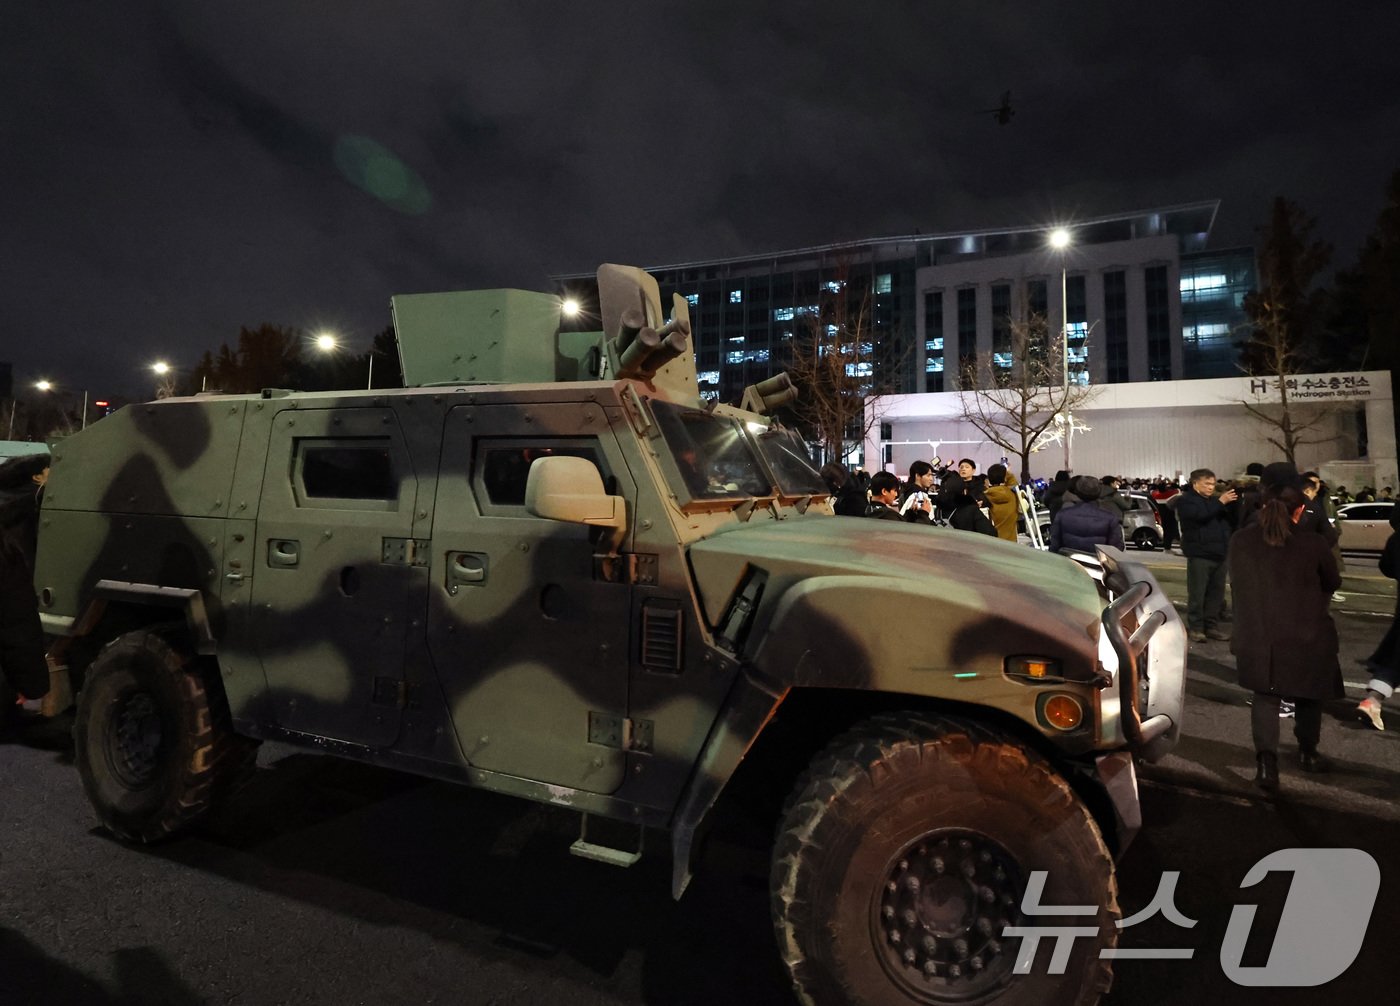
(22, 660)
(1081, 523)
(1285, 643)
(959, 507)
(1054, 497)
(1205, 538)
(884, 493)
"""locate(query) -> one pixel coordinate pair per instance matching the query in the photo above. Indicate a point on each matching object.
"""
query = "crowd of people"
(1270, 533)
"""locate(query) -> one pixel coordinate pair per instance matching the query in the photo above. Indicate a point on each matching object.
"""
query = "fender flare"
(188, 601)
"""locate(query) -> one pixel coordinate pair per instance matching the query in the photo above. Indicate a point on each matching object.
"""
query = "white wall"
(1155, 428)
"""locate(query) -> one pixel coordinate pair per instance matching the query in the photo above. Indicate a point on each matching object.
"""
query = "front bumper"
(1143, 654)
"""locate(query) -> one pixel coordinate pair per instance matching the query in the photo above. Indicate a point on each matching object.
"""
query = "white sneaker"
(1371, 710)
(1285, 709)
(1338, 598)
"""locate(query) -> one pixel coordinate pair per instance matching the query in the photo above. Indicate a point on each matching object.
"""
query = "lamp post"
(1060, 241)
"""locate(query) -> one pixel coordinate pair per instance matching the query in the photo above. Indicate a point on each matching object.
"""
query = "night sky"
(173, 171)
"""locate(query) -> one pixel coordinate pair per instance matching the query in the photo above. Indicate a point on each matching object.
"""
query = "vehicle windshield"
(714, 457)
(787, 455)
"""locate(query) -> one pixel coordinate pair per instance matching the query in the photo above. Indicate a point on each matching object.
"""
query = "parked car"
(1364, 526)
(1142, 525)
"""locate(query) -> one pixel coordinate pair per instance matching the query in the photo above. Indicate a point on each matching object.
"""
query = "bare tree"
(1019, 411)
(1285, 327)
(841, 365)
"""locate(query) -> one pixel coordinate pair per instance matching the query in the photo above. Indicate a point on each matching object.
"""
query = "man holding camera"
(1205, 538)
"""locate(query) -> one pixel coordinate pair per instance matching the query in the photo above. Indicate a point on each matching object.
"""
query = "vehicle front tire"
(152, 750)
(1145, 540)
(908, 851)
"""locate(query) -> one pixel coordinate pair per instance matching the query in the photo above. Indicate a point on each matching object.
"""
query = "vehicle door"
(1366, 526)
(529, 641)
(333, 576)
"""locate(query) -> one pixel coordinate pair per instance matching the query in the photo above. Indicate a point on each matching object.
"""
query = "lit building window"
(1202, 284)
(736, 296)
(934, 344)
(708, 376)
(859, 369)
(693, 299)
(1003, 360)
(883, 283)
(832, 285)
(783, 313)
(934, 365)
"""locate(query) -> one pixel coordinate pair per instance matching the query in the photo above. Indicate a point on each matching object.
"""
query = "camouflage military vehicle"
(549, 568)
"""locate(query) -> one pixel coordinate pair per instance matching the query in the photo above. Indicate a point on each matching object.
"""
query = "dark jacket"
(1283, 637)
(1081, 525)
(959, 508)
(851, 499)
(881, 512)
(1205, 528)
(1116, 500)
(1054, 497)
(1314, 518)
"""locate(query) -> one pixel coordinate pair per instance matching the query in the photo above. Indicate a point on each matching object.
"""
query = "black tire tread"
(857, 757)
(219, 761)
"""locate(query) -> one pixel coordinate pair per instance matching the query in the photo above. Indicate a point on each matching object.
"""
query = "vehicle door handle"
(465, 568)
(283, 552)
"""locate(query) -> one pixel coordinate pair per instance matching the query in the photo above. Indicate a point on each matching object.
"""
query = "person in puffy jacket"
(1001, 499)
(1081, 523)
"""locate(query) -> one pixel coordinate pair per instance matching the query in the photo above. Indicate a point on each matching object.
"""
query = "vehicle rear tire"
(152, 750)
(908, 850)
(1145, 540)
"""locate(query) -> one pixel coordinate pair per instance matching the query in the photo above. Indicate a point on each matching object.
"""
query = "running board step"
(609, 842)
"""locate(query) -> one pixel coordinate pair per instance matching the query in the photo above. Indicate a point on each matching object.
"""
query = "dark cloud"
(172, 171)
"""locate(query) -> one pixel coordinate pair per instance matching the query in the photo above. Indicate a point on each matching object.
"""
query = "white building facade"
(1167, 428)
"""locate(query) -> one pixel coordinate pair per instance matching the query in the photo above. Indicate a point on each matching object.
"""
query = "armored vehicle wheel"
(152, 752)
(1144, 539)
(909, 850)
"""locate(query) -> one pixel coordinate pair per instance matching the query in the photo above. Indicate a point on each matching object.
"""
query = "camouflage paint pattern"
(439, 629)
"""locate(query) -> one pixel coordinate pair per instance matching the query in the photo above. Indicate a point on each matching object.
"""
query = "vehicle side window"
(1368, 513)
(357, 473)
(504, 465)
(349, 469)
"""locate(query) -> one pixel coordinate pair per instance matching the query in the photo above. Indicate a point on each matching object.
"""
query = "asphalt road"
(326, 882)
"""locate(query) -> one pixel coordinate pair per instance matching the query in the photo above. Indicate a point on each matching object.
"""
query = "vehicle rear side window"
(505, 465)
(360, 470)
(1368, 513)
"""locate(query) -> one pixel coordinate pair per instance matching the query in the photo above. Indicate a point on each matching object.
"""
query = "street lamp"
(46, 386)
(328, 342)
(1060, 240)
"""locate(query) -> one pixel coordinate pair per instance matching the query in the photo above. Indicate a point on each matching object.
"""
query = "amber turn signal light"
(1063, 712)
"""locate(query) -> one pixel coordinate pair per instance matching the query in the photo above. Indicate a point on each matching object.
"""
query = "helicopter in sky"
(1003, 112)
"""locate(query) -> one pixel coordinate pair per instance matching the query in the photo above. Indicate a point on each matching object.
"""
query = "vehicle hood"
(955, 598)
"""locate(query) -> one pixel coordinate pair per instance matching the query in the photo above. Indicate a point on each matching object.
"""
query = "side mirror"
(570, 489)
